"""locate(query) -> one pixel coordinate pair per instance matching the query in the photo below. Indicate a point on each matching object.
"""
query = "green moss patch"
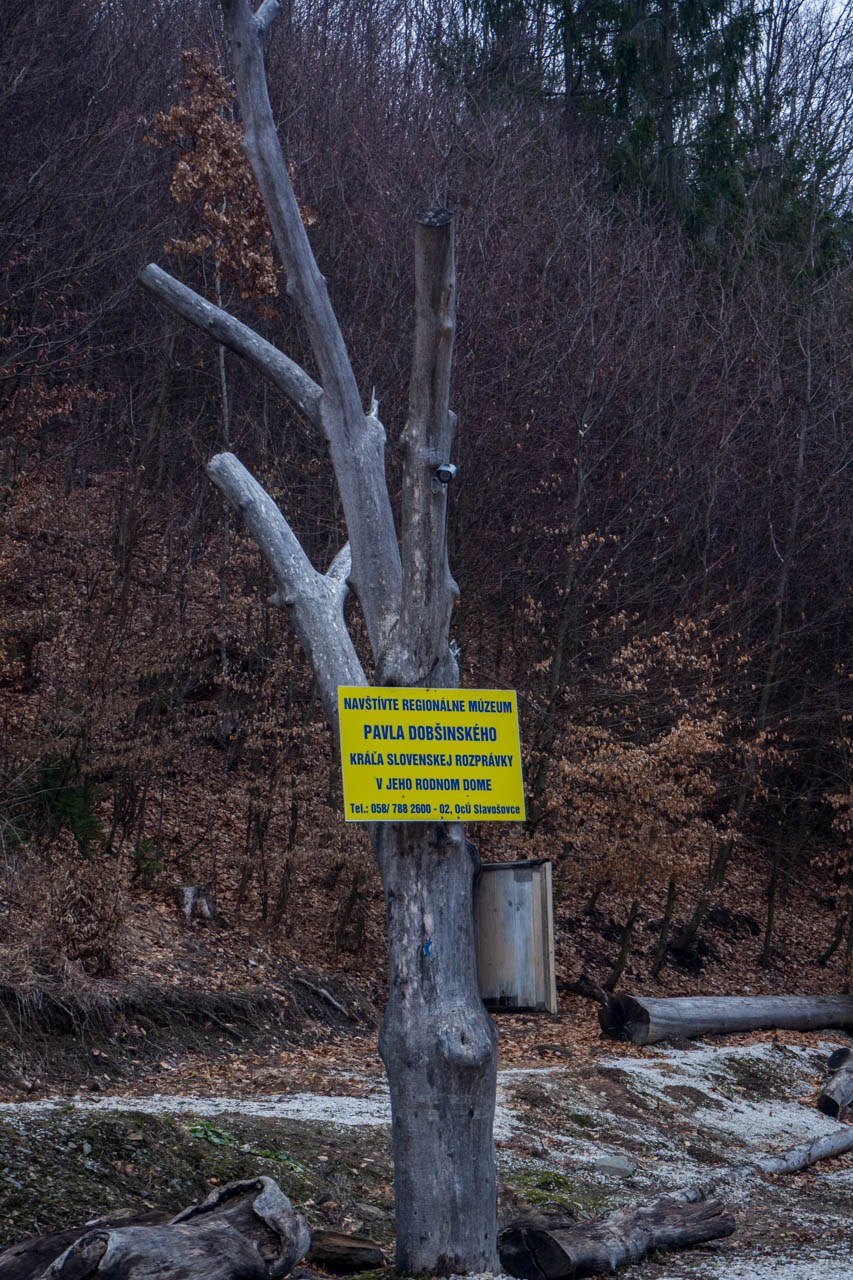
(556, 1191)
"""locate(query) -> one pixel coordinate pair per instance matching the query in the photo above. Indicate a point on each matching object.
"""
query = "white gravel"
(768, 1125)
(819, 1265)
(356, 1113)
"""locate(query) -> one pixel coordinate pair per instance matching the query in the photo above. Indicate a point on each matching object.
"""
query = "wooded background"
(651, 521)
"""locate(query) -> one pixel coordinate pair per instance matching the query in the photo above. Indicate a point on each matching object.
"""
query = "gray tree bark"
(437, 1042)
(439, 1047)
(623, 1237)
(245, 1230)
(645, 1020)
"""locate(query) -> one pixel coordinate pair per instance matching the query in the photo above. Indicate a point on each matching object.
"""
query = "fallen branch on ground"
(794, 1160)
(324, 995)
(341, 1253)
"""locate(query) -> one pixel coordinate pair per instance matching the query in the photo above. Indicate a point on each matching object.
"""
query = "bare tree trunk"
(618, 969)
(772, 887)
(663, 938)
(438, 1043)
(439, 1047)
(825, 957)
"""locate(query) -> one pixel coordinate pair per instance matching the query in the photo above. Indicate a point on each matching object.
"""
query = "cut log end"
(837, 1091)
(624, 1018)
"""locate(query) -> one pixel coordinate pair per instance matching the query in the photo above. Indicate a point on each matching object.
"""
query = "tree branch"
(314, 601)
(268, 11)
(419, 652)
(356, 444)
(288, 376)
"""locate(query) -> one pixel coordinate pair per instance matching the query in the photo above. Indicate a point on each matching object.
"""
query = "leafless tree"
(438, 1044)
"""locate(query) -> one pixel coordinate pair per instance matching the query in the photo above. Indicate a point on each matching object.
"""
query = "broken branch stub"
(418, 652)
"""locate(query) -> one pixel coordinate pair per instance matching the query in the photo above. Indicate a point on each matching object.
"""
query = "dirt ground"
(154, 1111)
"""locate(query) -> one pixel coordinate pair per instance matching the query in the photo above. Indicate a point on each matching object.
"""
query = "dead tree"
(437, 1042)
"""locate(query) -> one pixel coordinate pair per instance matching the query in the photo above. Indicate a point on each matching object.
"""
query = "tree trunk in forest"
(666, 924)
(438, 1044)
(837, 934)
(623, 1237)
(644, 1021)
(686, 939)
(621, 960)
(772, 887)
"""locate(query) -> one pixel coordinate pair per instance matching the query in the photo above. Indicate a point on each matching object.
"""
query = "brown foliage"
(631, 421)
(213, 184)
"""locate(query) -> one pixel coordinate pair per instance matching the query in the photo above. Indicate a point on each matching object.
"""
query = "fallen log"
(645, 1020)
(28, 1259)
(809, 1153)
(245, 1230)
(262, 1213)
(212, 1251)
(342, 1253)
(837, 1091)
(623, 1237)
(535, 1252)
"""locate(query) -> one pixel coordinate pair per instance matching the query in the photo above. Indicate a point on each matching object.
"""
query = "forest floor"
(599, 1127)
(219, 1053)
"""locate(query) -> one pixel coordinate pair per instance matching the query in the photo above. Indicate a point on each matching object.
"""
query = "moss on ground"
(556, 1191)
(62, 1168)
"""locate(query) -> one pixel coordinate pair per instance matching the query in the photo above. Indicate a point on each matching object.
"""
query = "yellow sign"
(430, 755)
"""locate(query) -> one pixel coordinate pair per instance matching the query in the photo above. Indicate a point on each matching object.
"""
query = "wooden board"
(515, 936)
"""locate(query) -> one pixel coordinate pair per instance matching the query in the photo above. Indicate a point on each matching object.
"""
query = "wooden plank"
(550, 955)
(515, 935)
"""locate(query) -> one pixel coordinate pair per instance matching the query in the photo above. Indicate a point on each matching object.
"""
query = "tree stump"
(837, 1091)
